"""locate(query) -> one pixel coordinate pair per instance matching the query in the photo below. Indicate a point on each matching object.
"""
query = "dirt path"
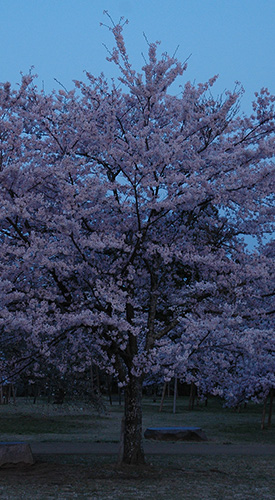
(154, 448)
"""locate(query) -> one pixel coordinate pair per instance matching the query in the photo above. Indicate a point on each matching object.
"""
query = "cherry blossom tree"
(237, 363)
(250, 351)
(124, 215)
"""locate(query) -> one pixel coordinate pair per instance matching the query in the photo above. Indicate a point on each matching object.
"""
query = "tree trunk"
(109, 389)
(270, 407)
(192, 396)
(163, 396)
(175, 394)
(119, 396)
(92, 380)
(132, 447)
(263, 414)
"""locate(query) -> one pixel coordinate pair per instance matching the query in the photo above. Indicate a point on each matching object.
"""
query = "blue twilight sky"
(61, 38)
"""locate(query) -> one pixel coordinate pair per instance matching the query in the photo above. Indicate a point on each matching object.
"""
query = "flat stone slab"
(175, 434)
(15, 452)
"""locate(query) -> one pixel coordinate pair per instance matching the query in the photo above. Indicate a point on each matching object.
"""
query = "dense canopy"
(124, 220)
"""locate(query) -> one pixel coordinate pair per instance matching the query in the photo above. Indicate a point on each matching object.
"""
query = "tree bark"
(132, 446)
(263, 414)
(270, 407)
(109, 388)
(175, 394)
(192, 396)
(163, 396)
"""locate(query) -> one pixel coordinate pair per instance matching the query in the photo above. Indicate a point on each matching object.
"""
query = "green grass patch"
(28, 424)
(81, 422)
(220, 424)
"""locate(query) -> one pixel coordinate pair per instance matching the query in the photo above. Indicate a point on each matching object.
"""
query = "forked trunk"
(132, 446)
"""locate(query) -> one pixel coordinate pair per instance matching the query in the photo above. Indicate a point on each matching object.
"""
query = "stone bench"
(15, 452)
(175, 434)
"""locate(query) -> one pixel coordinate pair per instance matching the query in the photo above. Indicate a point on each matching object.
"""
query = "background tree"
(123, 215)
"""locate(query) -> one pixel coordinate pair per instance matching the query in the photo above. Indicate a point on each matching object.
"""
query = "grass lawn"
(80, 422)
(186, 476)
(168, 477)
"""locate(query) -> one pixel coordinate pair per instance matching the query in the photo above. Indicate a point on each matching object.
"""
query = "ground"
(193, 477)
(76, 450)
